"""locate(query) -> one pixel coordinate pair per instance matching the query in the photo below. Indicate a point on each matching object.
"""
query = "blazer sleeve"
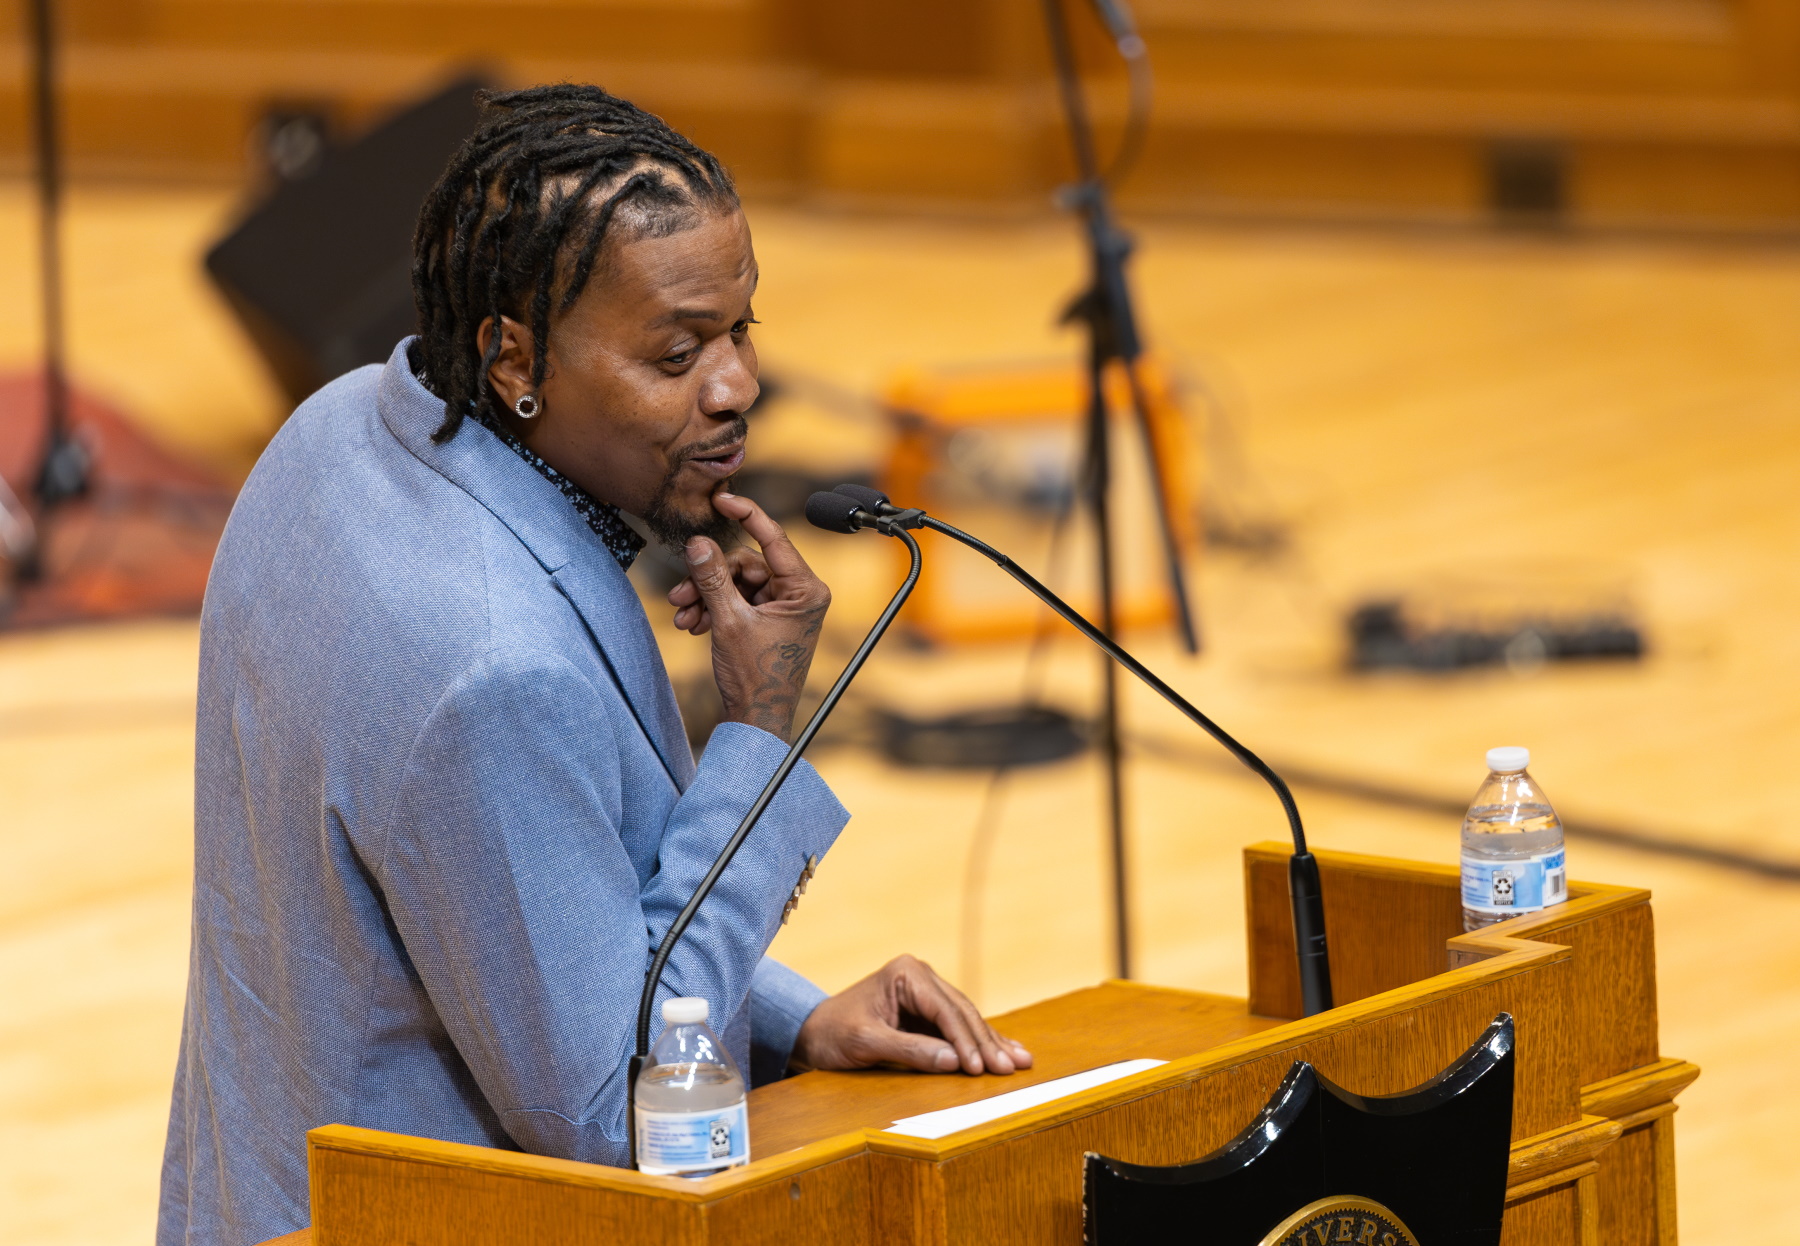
(780, 1002)
(525, 919)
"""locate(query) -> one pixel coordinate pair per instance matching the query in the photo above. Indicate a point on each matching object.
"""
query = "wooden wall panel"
(651, 31)
(1627, 1168)
(1223, 167)
(377, 1202)
(1642, 182)
(1027, 1189)
(1553, 1216)
(1616, 979)
(906, 1201)
(1382, 927)
(1615, 975)
(921, 40)
(826, 1204)
(1385, 928)
(1675, 112)
(1018, 1179)
(908, 140)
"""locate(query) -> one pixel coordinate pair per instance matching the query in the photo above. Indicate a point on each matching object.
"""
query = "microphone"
(851, 508)
(1303, 868)
(837, 512)
(838, 523)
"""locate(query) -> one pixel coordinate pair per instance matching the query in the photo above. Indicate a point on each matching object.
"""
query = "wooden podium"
(1593, 1141)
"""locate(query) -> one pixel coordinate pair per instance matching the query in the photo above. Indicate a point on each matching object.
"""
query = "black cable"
(1137, 111)
(1395, 797)
(1081, 135)
(1140, 88)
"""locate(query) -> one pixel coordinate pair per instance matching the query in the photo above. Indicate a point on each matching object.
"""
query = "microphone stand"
(63, 471)
(1303, 868)
(1106, 309)
(686, 917)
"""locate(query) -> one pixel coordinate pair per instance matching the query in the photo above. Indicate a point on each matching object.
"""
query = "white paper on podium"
(968, 1115)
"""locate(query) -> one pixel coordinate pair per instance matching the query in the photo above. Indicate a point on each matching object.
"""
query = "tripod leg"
(1099, 473)
(1165, 516)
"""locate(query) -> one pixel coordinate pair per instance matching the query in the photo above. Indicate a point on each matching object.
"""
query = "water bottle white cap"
(1508, 760)
(688, 1010)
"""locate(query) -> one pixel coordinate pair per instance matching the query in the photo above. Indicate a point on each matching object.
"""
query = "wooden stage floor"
(1410, 405)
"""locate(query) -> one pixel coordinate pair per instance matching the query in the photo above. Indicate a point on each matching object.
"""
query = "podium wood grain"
(1070, 1034)
(1592, 1123)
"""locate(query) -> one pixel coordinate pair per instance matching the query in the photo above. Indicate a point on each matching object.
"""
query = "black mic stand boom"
(1105, 308)
(685, 918)
(63, 468)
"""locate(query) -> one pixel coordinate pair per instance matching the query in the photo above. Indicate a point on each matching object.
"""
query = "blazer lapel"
(601, 594)
(579, 564)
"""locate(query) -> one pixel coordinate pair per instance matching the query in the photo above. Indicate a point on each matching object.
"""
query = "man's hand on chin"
(905, 1014)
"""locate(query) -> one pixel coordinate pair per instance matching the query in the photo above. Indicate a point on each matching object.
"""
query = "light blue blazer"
(444, 809)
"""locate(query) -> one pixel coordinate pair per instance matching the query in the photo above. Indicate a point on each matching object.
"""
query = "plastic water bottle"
(1512, 845)
(691, 1118)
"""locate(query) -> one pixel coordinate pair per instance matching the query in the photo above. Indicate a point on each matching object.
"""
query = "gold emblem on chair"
(1341, 1220)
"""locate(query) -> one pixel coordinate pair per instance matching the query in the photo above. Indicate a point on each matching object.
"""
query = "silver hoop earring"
(527, 407)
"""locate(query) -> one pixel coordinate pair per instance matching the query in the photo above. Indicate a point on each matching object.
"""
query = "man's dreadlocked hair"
(515, 223)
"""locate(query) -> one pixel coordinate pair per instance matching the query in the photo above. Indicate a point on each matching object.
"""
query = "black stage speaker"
(320, 272)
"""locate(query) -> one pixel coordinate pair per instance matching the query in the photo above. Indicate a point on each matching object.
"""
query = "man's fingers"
(960, 1021)
(996, 1055)
(783, 558)
(957, 1020)
(1021, 1055)
(915, 1051)
(747, 564)
(1014, 1050)
(746, 567)
(867, 1025)
(695, 619)
(710, 571)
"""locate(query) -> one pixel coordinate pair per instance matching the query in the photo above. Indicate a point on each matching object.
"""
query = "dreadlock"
(515, 224)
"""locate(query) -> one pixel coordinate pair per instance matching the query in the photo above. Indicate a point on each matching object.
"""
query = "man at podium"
(444, 802)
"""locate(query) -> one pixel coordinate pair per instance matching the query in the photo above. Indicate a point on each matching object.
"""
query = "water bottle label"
(671, 1143)
(1508, 888)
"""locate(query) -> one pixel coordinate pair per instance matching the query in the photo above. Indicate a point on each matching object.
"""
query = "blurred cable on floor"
(1394, 796)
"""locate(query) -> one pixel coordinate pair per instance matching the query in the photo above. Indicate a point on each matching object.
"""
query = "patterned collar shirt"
(621, 541)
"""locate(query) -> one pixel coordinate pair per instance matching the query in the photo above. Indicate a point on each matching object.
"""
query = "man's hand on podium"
(904, 1014)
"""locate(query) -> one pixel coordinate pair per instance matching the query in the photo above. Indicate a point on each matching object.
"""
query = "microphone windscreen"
(871, 500)
(832, 512)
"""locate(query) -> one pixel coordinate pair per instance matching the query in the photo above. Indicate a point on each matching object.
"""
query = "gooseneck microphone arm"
(1131, 664)
(686, 917)
(1303, 868)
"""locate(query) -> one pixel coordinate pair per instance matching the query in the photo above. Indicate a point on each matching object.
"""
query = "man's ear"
(510, 374)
